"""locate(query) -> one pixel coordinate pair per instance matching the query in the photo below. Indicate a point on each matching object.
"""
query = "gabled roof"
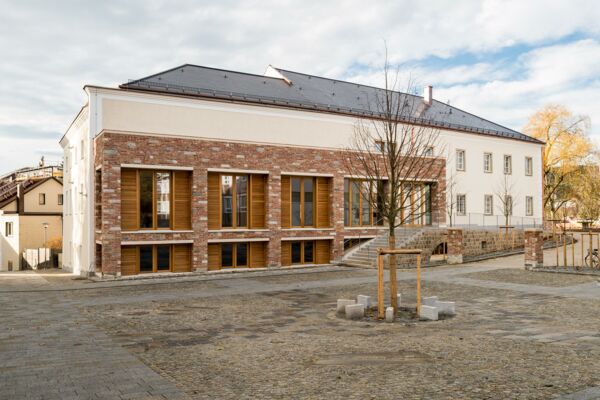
(293, 89)
(8, 192)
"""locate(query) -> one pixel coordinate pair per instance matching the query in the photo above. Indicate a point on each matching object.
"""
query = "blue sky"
(501, 60)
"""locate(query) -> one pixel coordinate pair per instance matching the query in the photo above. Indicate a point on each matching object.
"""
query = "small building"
(30, 217)
(198, 169)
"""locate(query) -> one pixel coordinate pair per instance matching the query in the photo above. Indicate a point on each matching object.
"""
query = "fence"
(472, 220)
(39, 258)
(574, 250)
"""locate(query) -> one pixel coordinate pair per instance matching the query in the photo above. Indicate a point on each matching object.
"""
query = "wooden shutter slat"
(257, 201)
(213, 202)
(286, 202)
(182, 200)
(214, 257)
(182, 258)
(129, 200)
(286, 254)
(257, 255)
(322, 251)
(323, 203)
(129, 260)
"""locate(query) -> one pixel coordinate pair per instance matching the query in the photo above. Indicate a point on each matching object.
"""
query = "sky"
(501, 60)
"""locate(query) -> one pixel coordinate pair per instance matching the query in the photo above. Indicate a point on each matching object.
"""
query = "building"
(197, 168)
(30, 216)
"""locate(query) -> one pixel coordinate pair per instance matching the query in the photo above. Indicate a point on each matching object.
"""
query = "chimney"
(428, 95)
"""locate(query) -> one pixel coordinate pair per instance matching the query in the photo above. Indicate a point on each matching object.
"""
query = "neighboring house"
(198, 168)
(30, 215)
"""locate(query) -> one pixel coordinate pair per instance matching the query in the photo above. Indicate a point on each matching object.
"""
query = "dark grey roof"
(314, 93)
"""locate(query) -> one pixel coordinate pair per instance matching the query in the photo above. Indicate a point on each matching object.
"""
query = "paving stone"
(366, 301)
(355, 311)
(429, 301)
(446, 307)
(389, 314)
(429, 313)
(342, 303)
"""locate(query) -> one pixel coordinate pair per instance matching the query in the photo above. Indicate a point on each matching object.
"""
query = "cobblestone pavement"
(517, 335)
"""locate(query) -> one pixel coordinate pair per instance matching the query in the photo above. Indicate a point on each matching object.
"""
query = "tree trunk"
(392, 268)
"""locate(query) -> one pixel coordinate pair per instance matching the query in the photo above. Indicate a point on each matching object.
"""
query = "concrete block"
(389, 314)
(429, 301)
(342, 303)
(366, 301)
(429, 313)
(399, 297)
(446, 307)
(355, 311)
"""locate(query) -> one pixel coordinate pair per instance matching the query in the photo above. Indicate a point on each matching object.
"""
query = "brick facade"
(534, 253)
(455, 246)
(115, 149)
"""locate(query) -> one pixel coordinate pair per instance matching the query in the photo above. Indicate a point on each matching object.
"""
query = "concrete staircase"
(365, 255)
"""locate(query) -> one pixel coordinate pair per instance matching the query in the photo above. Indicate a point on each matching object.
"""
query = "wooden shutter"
(214, 208)
(257, 201)
(322, 251)
(182, 200)
(182, 258)
(286, 202)
(257, 255)
(214, 256)
(129, 200)
(286, 254)
(323, 203)
(129, 260)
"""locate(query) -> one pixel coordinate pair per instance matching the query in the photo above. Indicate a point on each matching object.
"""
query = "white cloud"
(51, 49)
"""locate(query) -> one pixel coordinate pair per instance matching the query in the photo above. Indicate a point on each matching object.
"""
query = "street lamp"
(45, 225)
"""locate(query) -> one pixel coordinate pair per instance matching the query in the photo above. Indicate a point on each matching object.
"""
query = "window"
(155, 258)
(507, 165)
(82, 147)
(508, 205)
(147, 199)
(236, 255)
(303, 252)
(528, 166)
(528, 205)
(460, 160)
(428, 151)
(60, 199)
(379, 146)
(8, 229)
(488, 204)
(234, 205)
(461, 204)
(302, 201)
(359, 196)
(42, 198)
(487, 163)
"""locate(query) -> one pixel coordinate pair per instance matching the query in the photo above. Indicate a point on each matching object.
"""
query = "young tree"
(507, 199)
(567, 147)
(393, 149)
(451, 191)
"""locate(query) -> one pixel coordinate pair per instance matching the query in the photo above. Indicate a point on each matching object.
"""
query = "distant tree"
(567, 147)
(587, 197)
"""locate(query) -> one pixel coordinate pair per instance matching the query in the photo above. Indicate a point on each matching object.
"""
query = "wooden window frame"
(234, 201)
(60, 199)
(154, 206)
(418, 215)
(234, 245)
(154, 258)
(372, 185)
(464, 160)
(302, 201)
(302, 242)
(491, 164)
(528, 166)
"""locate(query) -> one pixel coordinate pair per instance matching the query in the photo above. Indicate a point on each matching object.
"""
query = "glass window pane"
(379, 209)
(355, 203)
(296, 252)
(366, 205)
(346, 202)
(241, 254)
(163, 199)
(308, 201)
(308, 252)
(227, 255)
(241, 197)
(296, 201)
(146, 259)
(146, 218)
(163, 257)
(227, 201)
(427, 203)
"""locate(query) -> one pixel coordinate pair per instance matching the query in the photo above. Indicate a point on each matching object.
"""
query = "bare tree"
(394, 149)
(507, 199)
(451, 184)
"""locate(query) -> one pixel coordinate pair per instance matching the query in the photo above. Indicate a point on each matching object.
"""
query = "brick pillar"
(455, 246)
(274, 219)
(336, 197)
(200, 219)
(111, 215)
(534, 242)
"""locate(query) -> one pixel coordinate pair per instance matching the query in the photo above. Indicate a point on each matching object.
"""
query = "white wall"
(9, 245)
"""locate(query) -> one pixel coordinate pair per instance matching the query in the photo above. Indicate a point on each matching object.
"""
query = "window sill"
(229, 230)
(365, 227)
(306, 229)
(159, 231)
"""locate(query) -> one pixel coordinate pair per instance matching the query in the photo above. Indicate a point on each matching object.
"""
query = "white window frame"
(528, 166)
(462, 166)
(458, 204)
(487, 197)
(529, 206)
(490, 168)
(508, 204)
(507, 166)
